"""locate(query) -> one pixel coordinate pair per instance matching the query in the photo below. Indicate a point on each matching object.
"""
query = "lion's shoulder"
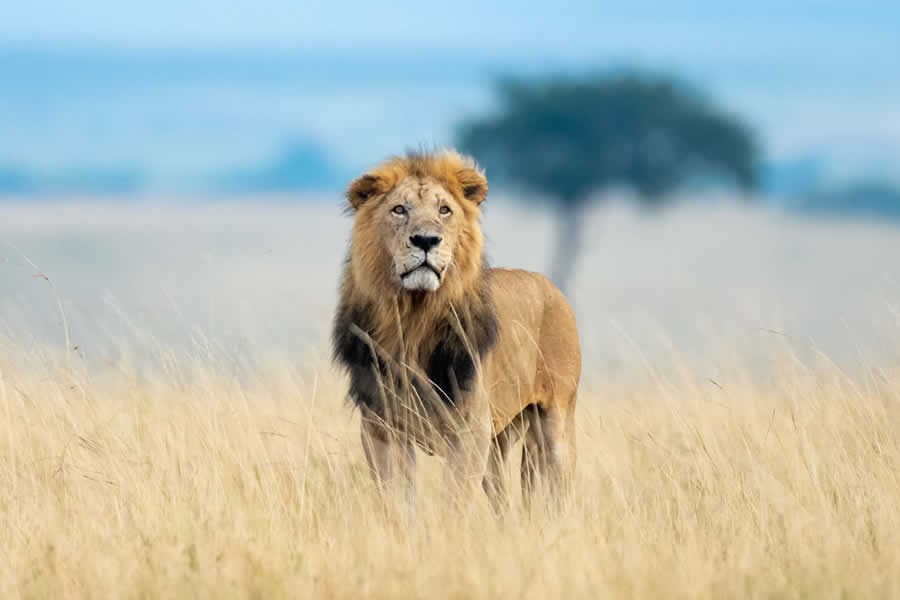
(519, 284)
(531, 301)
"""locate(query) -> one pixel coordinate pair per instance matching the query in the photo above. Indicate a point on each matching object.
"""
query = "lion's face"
(420, 222)
(417, 224)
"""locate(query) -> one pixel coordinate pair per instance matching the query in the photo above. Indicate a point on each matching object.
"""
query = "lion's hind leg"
(548, 455)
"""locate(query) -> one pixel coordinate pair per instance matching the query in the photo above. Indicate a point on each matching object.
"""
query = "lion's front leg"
(392, 461)
(468, 447)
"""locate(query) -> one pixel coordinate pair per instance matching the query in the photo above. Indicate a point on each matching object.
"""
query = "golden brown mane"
(403, 323)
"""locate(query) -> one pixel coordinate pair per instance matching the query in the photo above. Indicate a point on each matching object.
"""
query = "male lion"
(442, 352)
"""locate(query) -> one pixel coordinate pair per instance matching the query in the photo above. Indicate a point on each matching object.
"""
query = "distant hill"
(793, 176)
(301, 165)
(91, 181)
(865, 198)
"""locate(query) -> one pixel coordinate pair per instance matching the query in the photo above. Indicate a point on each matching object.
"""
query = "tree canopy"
(567, 137)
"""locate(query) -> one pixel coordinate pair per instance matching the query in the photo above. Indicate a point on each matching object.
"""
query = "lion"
(444, 353)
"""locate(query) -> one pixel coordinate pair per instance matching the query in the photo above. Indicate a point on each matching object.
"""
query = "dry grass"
(202, 485)
(194, 444)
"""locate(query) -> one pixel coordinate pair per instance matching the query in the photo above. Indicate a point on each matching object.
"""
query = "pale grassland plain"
(738, 423)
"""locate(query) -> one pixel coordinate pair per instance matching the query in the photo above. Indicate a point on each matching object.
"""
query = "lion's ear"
(474, 184)
(363, 188)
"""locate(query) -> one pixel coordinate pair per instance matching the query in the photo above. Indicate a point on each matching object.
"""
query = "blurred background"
(696, 175)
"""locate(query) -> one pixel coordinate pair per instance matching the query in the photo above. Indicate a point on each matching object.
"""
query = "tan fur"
(525, 381)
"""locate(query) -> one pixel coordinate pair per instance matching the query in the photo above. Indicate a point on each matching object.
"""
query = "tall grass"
(206, 485)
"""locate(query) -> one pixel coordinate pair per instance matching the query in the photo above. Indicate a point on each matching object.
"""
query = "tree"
(570, 138)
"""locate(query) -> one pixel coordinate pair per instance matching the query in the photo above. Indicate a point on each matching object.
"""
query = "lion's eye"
(445, 210)
(399, 210)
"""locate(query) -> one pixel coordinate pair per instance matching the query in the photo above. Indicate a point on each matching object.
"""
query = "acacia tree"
(569, 138)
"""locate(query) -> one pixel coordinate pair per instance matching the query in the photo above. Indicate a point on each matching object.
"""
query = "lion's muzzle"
(423, 266)
(425, 277)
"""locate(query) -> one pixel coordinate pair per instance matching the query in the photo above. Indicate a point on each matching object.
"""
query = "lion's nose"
(425, 242)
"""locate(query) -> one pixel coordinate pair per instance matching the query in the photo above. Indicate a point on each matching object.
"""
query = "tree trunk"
(568, 244)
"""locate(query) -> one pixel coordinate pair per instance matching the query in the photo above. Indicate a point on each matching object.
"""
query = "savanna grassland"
(170, 424)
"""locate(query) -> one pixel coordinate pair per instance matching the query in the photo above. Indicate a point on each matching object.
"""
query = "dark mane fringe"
(461, 342)
(448, 357)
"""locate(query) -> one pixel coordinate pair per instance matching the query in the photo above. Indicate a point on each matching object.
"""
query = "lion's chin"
(422, 279)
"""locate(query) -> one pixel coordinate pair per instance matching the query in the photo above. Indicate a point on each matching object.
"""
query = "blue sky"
(814, 76)
(571, 28)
